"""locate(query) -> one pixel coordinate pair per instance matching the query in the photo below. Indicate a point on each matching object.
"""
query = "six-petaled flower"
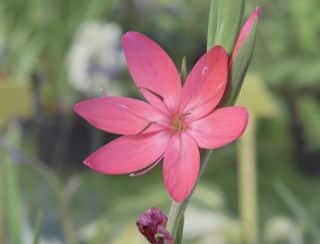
(175, 121)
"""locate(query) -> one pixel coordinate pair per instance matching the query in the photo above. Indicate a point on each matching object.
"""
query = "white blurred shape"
(281, 229)
(95, 59)
(207, 226)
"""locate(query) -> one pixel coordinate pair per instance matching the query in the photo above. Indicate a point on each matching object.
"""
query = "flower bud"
(241, 57)
(151, 224)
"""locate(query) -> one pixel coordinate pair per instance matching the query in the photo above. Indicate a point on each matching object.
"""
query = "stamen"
(178, 124)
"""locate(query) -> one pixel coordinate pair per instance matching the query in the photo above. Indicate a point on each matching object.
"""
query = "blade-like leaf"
(298, 210)
(15, 100)
(38, 226)
(224, 23)
(2, 237)
(11, 190)
(256, 96)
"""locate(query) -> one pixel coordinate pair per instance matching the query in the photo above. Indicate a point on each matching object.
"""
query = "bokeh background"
(55, 53)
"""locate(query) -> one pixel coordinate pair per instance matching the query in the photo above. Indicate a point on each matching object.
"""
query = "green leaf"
(128, 234)
(18, 95)
(298, 210)
(11, 190)
(224, 23)
(37, 232)
(256, 96)
(303, 20)
(2, 231)
(309, 111)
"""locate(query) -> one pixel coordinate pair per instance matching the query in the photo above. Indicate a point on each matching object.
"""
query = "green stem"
(63, 196)
(173, 218)
(63, 201)
(11, 188)
(300, 213)
(38, 226)
(13, 210)
(247, 184)
(2, 237)
(177, 210)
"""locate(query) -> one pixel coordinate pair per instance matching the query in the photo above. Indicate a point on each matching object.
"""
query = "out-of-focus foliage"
(288, 45)
(287, 56)
(36, 37)
(11, 92)
(309, 108)
(11, 195)
(95, 59)
(257, 98)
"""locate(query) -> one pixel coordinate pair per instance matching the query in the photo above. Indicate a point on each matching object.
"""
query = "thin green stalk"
(2, 236)
(173, 217)
(11, 188)
(38, 226)
(67, 222)
(63, 201)
(12, 202)
(298, 210)
(247, 184)
(63, 196)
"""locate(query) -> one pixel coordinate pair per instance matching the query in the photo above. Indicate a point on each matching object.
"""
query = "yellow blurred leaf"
(15, 100)
(129, 234)
(257, 98)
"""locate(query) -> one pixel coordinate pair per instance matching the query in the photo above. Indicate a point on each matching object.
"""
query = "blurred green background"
(56, 52)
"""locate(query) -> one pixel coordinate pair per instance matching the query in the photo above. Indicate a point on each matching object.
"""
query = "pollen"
(178, 124)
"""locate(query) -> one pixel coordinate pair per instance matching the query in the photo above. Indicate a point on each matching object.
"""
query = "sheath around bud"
(241, 57)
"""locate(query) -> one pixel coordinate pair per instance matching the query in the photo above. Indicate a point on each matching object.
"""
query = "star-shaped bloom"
(172, 124)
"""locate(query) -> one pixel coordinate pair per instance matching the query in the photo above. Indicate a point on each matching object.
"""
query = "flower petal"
(128, 154)
(206, 83)
(118, 115)
(221, 127)
(181, 166)
(155, 101)
(151, 68)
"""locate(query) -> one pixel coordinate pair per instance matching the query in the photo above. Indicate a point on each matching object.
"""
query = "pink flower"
(174, 122)
(151, 224)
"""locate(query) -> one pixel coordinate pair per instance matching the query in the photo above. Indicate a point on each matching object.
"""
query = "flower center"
(177, 124)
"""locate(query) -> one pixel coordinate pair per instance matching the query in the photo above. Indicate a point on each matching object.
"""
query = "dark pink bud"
(151, 224)
(245, 31)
